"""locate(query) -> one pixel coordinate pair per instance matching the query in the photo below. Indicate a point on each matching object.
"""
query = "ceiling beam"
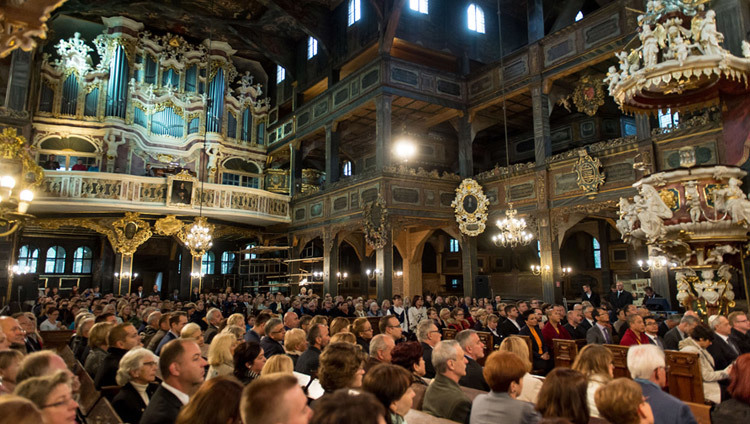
(388, 33)
(313, 20)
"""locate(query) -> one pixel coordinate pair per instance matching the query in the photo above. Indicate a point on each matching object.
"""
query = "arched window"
(312, 47)
(82, 258)
(208, 263)
(249, 255)
(355, 11)
(476, 18)
(227, 262)
(28, 257)
(239, 172)
(597, 254)
(55, 262)
(418, 6)
(280, 74)
(453, 246)
(667, 119)
(346, 169)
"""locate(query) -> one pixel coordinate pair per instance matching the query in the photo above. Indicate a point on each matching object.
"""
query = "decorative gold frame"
(589, 175)
(589, 94)
(470, 223)
(183, 176)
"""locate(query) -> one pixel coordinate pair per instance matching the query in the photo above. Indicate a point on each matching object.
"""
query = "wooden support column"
(294, 268)
(295, 169)
(540, 113)
(332, 155)
(124, 271)
(330, 265)
(384, 263)
(660, 280)
(550, 256)
(465, 152)
(469, 264)
(642, 127)
(535, 16)
(383, 104)
(412, 242)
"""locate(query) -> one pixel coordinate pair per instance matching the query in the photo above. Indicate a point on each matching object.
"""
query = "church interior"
(478, 148)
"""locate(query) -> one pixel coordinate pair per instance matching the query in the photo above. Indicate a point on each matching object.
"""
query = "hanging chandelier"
(198, 236)
(512, 230)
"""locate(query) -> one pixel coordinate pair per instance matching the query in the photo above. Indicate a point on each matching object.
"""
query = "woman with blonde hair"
(98, 344)
(221, 355)
(278, 364)
(345, 337)
(295, 343)
(531, 384)
(338, 325)
(318, 319)
(53, 394)
(192, 331)
(236, 319)
(595, 362)
(236, 331)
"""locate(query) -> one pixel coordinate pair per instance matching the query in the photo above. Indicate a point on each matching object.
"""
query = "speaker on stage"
(482, 286)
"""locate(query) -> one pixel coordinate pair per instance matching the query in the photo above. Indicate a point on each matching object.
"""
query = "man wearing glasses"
(740, 327)
(648, 369)
(429, 336)
(390, 325)
(271, 343)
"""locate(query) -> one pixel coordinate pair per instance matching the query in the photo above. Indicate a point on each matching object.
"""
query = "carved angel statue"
(693, 200)
(706, 35)
(650, 46)
(651, 211)
(214, 154)
(731, 199)
(716, 255)
(623, 58)
(682, 49)
(683, 286)
(112, 144)
(613, 78)
(628, 215)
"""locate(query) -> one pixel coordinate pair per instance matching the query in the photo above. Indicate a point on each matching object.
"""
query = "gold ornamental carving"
(23, 20)
(126, 234)
(590, 177)
(589, 94)
(470, 206)
(168, 226)
(13, 148)
(376, 223)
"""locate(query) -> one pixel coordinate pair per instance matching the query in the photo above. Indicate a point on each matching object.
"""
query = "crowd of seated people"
(243, 358)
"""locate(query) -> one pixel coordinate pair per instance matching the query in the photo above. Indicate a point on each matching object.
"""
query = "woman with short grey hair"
(136, 375)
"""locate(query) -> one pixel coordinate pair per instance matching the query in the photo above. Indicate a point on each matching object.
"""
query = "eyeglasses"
(63, 402)
(150, 363)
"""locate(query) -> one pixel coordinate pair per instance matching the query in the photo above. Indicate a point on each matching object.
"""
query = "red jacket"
(549, 333)
(629, 339)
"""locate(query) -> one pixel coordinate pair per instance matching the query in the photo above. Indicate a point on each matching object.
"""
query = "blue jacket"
(667, 409)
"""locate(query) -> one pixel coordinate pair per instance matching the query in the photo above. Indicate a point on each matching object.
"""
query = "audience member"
(278, 364)
(204, 407)
(590, 296)
(621, 401)
(136, 375)
(723, 349)
(530, 384)
(701, 338)
(381, 347)
(542, 360)
(14, 333)
(391, 385)
(192, 331)
(121, 339)
(341, 366)
(295, 343)
(362, 329)
(390, 326)
(429, 336)
(317, 339)
(53, 395)
(473, 350)
(652, 331)
(409, 356)
(563, 395)
(10, 364)
(511, 325)
(444, 397)
(44, 363)
(177, 320)
(739, 334)
(600, 332)
(18, 410)
(213, 318)
(182, 369)
(338, 325)
(736, 409)
(261, 399)
(554, 328)
(504, 372)
(221, 356)
(636, 332)
(573, 326)
(159, 335)
(248, 361)
(595, 363)
(674, 336)
(346, 337)
(619, 298)
(345, 407)
(271, 342)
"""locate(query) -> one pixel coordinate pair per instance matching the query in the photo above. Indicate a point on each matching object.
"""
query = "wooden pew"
(701, 412)
(375, 322)
(449, 333)
(488, 340)
(565, 352)
(684, 377)
(103, 412)
(419, 417)
(89, 394)
(619, 359)
(55, 340)
(419, 391)
(527, 339)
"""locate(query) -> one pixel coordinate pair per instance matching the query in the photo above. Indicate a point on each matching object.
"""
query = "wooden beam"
(389, 32)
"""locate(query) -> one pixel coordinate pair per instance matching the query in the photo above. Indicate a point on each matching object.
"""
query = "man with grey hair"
(381, 347)
(151, 328)
(429, 336)
(671, 322)
(444, 397)
(674, 336)
(648, 369)
(473, 350)
(271, 342)
(213, 317)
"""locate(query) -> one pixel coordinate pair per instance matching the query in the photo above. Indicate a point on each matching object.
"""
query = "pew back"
(565, 352)
(619, 359)
(684, 377)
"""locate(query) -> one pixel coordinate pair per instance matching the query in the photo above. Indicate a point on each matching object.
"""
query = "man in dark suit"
(671, 322)
(573, 326)
(511, 325)
(649, 294)
(588, 319)
(592, 297)
(740, 328)
(542, 359)
(177, 320)
(317, 339)
(155, 291)
(428, 336)
(183, 369)
(674, 336)
(271, 342)
(121, 339)
(213, 317)
(647, 367)
(259, 329)
(652, 331)
(473, 351)
(601, 332)
(620, 297)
